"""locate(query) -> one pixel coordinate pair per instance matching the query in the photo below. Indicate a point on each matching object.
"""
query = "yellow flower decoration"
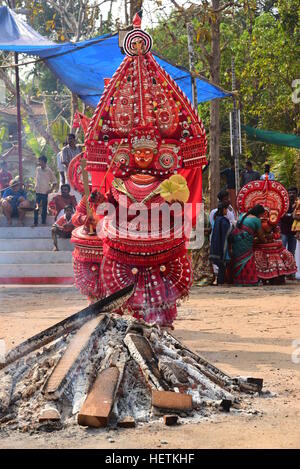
(175, 189)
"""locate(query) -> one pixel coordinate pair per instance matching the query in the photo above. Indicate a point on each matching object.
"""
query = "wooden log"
(170, 420)
(97, 407)
(71, 358)
(142, 352)
(214, 373)
(67, 325)
(127, 422)
(49, 414)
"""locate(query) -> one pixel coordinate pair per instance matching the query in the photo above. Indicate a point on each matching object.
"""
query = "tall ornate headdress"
(270, 194)
(141, 95)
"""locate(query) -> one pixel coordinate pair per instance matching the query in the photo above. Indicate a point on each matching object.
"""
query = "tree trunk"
(126, 13)
(74, 107)
(214, 129)
(35, 124)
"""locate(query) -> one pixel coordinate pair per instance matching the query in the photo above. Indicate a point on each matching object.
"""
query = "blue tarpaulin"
(82, 66)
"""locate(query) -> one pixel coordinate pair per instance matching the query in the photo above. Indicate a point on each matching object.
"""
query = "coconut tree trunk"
(214, 129)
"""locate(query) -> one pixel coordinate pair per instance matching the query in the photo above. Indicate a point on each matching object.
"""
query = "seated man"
(60, 201)
(14, 203)
(63, 227)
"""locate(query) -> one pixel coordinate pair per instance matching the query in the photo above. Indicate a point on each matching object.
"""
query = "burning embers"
(110, 370)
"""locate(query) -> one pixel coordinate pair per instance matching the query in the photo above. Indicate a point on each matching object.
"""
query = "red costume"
(143, 132)
(272, 260)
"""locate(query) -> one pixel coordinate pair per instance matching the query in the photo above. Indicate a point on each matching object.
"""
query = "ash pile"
(101, 369)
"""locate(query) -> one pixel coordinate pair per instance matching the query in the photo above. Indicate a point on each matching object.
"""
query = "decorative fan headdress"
(143, 106)
(271, 194)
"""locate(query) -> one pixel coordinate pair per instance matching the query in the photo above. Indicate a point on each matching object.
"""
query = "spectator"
(63, 227)
(249, 174)
(229, 174)
(267, 173)
(5, 176)
(14, 203)
(219, 241)
(59, 201)
(61, 167)
(45, 181)
(70, 151)
(223, 197)
(287, 235)
(296, 226)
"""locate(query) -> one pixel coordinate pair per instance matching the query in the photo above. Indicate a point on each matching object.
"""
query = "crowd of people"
(231, 240)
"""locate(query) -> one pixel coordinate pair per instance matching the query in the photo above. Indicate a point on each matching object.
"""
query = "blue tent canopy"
(82, 66)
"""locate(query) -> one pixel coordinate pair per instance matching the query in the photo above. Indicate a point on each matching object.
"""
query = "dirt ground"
(243, 331)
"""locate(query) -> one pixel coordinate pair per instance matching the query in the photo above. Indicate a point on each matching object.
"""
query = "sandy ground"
(246, 332)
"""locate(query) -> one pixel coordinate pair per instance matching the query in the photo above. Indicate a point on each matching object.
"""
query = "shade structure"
(272, 137)
(84, 65)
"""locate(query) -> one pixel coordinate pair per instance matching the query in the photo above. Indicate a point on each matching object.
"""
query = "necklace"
(142, 179)
(140, 192)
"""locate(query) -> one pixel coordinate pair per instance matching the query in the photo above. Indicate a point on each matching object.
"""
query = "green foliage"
(34, 143)
(284, 163)
(3, 136)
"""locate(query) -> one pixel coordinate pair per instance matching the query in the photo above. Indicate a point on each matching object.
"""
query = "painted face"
(138, 45)
(143, 158)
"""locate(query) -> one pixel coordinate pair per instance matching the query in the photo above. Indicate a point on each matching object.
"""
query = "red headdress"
(143, 105)
(270, 194)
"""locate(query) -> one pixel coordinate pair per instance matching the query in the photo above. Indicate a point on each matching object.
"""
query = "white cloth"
(60, 167)
(297, 259)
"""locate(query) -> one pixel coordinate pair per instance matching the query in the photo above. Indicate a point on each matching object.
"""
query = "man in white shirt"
(70, 151)
(223, 197)
(45, 181)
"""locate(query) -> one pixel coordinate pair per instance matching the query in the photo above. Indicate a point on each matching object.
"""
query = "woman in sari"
(242, 240)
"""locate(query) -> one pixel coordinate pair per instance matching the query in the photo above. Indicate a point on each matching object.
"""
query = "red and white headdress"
(270, 194)
(142, 105)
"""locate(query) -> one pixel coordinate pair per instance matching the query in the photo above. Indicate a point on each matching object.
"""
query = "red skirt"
(247, 275)
(273, 260)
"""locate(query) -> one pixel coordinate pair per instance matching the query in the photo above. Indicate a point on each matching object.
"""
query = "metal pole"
(12, 4)
(235, 133)
(190, 37)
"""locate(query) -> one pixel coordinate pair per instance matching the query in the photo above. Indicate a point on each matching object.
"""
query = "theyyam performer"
(145, 147)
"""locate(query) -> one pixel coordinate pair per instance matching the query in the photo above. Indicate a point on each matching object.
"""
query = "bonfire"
(99, 369)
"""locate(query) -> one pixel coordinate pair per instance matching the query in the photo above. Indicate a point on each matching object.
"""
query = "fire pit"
(97, 369)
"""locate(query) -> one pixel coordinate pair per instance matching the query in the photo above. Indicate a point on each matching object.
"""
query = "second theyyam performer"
(147, 145)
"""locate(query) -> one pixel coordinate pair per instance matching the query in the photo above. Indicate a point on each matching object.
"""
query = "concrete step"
(33, 244)
(23, 232)
(28, 220)
(35, 257)
(35, 270)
